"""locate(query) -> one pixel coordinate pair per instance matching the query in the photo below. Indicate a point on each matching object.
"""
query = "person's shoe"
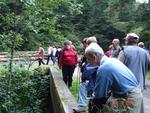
(79, 109)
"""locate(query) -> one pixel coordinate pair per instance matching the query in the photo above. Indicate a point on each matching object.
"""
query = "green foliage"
(8, 43)
(148, 75)
(50, 22)
(28, 93)
(44, 70)
(36, 21)
(3, 70)
(75, 88)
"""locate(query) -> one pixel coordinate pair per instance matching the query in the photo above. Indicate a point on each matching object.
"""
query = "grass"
(148, 75)
(75, 89)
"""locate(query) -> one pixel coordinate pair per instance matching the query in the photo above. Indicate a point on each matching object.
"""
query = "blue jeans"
(53, 59)
(83, 101)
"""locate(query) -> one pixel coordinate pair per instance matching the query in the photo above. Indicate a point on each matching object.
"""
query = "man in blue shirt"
(113, 76)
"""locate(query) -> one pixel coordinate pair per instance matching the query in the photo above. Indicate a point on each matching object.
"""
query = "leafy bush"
(44, 70)
(3, 70)
(27, 93)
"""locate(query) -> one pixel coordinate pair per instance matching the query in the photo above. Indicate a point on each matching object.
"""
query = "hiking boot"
(79, 109)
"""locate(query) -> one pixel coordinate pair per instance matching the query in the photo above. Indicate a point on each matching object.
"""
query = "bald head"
(115, 42)
(141, 44)
(91, 39)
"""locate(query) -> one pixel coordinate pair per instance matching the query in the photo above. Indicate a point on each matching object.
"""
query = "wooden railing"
(19, 56)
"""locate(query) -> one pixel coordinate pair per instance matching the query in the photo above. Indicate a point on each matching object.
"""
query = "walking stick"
(78, 81)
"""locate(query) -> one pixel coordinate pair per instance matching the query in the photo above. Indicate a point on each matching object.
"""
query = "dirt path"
(146, 94)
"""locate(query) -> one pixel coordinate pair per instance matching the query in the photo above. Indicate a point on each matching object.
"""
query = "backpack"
(74, 52)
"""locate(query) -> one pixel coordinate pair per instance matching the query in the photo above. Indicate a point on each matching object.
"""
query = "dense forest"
(26, 24)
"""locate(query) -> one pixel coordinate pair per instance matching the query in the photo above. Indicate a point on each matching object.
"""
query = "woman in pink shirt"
(40, 56)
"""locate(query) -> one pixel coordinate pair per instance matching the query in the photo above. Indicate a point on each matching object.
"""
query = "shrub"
(3, 70)
(27, 93)
(44, 70)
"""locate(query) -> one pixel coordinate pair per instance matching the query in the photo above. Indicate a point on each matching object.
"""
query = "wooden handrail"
(19, 56)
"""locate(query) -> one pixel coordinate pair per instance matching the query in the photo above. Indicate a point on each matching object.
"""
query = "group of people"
(53, 55)
(66, 58)
(113, 81)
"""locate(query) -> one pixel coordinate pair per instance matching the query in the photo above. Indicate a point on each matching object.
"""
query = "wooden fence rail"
(19, 56)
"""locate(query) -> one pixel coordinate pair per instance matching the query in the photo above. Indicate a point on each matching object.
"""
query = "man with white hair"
(141, 44)
(125, 96)
(115, 48)
(88, 79)
(135, 58)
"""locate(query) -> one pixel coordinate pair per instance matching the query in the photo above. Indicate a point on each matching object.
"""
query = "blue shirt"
(137, 59)
(115, 76)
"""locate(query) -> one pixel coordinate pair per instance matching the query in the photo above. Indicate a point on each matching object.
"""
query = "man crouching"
(113, 76)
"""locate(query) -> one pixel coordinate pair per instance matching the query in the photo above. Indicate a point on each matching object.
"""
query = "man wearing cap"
(125, 97)
(135, 58)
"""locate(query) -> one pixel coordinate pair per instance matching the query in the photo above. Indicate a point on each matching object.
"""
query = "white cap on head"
(94, 48)
(132, 35)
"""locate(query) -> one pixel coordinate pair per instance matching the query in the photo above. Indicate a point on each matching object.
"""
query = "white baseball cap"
(132, 35)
